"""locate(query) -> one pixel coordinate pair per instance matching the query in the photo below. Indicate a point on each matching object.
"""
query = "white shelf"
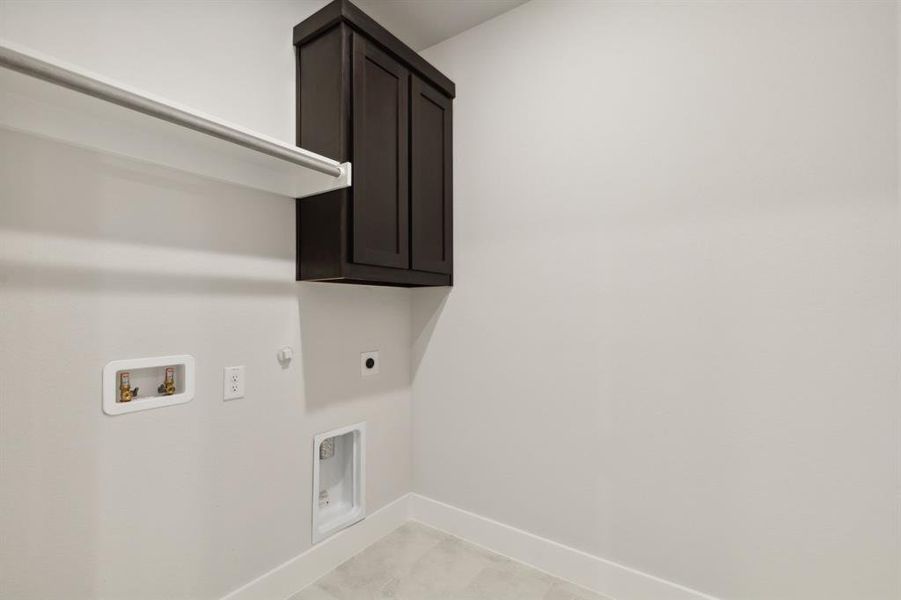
(43, 96)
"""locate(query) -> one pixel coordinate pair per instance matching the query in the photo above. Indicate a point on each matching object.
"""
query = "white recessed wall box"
(339, 469)
(150, 376)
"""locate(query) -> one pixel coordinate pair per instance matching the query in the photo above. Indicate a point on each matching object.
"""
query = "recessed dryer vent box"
(339, 469)
(148, 375)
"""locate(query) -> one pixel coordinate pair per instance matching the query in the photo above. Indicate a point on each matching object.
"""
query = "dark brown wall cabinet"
(365, 97)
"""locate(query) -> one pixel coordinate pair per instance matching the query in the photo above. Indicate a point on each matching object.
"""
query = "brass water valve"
(126, 394)
(168, 386)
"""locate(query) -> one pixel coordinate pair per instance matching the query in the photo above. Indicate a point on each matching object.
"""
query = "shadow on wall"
(76, 219)
(15, 273)
(428, 304)
(67, 191)
(104, 258)
(338, 322)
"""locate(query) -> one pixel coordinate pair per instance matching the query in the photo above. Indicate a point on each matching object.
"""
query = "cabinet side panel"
(323, 126)
(322, 95)
(320, 231)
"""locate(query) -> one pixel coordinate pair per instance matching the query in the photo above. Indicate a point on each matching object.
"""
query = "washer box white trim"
(111, 404)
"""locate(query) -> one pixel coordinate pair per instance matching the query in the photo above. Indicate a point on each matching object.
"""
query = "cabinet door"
(380, 208)
(432, 179)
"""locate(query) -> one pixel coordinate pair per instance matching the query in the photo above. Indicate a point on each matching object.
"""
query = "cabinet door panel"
(380, 208)
(432, 179)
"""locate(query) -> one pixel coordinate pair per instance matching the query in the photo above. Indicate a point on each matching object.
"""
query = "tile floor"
(419, 563)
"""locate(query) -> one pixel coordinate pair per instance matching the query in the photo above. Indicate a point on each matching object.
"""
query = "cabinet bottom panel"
(369, 275)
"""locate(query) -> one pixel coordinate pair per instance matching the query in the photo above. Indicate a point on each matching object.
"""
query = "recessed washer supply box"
(339, 480)
(147, 374)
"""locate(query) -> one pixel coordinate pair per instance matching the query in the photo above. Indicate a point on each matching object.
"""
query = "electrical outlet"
(233, 384)
(369, 363)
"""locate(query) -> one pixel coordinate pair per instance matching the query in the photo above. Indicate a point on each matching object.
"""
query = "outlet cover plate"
(365, 370)
(233, 383)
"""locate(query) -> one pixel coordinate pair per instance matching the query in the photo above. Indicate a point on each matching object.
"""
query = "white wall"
(103, 259)
(674, 334)
(673, 340)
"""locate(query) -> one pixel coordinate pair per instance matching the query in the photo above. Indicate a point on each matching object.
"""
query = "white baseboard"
(292, 576)
(597, 574)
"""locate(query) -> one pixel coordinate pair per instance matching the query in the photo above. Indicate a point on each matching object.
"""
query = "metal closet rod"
(36, 67)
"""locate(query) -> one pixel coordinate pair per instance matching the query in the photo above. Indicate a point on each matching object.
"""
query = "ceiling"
(424, 23)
